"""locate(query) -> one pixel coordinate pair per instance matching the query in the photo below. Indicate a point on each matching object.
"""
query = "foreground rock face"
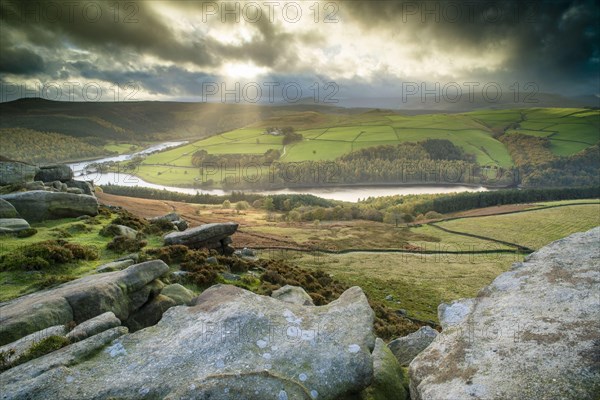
(39, 205)
(122, 292)
(209, 236)
(534, 333)
(231, 344)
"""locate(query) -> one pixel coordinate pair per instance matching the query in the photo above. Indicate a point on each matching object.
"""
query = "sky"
(266, 51)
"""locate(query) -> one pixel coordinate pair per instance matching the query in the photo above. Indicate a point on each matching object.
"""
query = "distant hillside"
(416, 104)
(44, 147)
(138, 121)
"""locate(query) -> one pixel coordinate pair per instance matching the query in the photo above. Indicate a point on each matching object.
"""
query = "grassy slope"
(533, 229)
(18, 283)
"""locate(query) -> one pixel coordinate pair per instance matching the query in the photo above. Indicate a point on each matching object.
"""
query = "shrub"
(43, 255)
(111, 230)
(433, 215)
(226, 204)
(52, 251)
(54, 280)
(169, 254)
(25, 233)
(158, 226)
(81, 252)
(122, 244)
(128, 219)
(242, 205)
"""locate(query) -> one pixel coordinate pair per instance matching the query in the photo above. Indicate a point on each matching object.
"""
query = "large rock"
(210, 236)
(178, 293)
(114, 266)
(84, 186)
(40, 205)
(91, 327)
(122, 292)
(293, 294)
(232, 344)
(406, 348)
(11, 225)
(12, 172)
(534, 333)
(51, 173)
(387, 376)
(7, 210)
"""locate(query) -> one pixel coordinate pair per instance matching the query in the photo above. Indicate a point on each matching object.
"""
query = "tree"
(242, 205)
(268, 204)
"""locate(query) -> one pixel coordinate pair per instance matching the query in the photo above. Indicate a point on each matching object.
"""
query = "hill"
(144, 120)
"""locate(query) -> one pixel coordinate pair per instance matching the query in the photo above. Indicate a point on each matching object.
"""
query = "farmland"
(327, 137)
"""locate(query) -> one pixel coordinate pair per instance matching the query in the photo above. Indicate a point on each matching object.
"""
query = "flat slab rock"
(200, 235)
(534, 333)
(231, 344)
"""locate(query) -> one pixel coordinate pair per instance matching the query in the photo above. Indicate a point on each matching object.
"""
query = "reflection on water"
(335, 193)
(78, 167)
(352, 193)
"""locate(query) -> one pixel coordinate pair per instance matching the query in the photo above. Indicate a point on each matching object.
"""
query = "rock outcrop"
(293, 294)
(122, 292)
(13, 225)
(51, 173)
(7, 210)
(12, 172)
(84, 186)
(39, 205)
(387, 376)
(229, 344)
(534, 333)
(408, 347)
(209, 236)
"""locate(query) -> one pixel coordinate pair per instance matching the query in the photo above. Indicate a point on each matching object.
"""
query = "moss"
(39, 349)
(54, 280)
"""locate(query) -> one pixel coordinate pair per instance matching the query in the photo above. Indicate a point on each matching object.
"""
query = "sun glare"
(243, 70)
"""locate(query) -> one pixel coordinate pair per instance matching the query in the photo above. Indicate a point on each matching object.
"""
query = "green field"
(533, 229)
(570, 130)
(327, 137)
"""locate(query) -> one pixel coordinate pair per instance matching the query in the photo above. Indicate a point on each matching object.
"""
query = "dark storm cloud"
(544, 40)
(554, 43)
(137, 26)
(20, 61)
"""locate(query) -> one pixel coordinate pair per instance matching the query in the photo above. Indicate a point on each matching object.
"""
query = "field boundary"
(522, 248)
